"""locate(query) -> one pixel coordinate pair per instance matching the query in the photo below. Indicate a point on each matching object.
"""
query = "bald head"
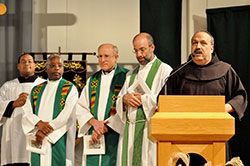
(145, 35)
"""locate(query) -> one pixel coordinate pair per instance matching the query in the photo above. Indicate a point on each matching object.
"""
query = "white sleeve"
(4, 100)
(58, 133)
(29, 120)
(115, 123)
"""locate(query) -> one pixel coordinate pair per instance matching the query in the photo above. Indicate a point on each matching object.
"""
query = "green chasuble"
(59, 148)
(140, 120)
(111, 137)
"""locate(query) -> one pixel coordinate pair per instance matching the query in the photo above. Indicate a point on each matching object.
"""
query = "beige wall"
(194, 18)
(82, 25)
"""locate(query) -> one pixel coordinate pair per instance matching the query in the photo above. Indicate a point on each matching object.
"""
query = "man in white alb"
(13, 95)
(49, 117)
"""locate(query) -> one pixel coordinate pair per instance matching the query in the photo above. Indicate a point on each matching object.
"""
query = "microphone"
(181, 67)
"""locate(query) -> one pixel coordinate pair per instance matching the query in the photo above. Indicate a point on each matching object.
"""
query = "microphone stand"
(185, 64)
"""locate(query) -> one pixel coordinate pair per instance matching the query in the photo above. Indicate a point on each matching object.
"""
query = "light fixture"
(3, 9)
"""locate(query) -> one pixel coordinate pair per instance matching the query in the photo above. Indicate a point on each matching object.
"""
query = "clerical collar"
(53, 81)
(107, 72)
(29, 79)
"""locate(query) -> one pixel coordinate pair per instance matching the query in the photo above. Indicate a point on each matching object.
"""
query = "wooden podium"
(192, 124)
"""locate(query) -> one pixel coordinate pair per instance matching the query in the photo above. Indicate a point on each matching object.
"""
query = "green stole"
(111, 137)
(140, 120)
(59, 148)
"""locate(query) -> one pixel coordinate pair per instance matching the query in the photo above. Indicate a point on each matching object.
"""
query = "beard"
(145, 59)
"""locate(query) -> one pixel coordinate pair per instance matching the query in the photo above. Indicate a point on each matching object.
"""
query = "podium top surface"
(191, 103)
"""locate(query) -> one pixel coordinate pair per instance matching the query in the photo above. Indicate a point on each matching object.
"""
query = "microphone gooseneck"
(181, 67)
(185, 64)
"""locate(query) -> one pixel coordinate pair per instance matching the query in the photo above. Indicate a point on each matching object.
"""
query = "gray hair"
(148, 37)
(115, 48)
(212, 38)
(50, 57)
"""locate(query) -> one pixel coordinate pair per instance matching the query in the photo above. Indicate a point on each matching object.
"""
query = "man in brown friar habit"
(207, 75)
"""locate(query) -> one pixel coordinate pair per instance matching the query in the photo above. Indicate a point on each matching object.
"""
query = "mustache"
(198, 51)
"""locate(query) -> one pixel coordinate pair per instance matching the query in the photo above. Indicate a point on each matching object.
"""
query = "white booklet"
(139, 86)
(32, 146)
(90, 148)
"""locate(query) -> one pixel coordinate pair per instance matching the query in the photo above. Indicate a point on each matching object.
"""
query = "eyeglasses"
(142, 50)
(104, 56)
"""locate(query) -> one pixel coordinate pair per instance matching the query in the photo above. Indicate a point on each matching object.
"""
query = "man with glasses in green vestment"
(137, 102)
